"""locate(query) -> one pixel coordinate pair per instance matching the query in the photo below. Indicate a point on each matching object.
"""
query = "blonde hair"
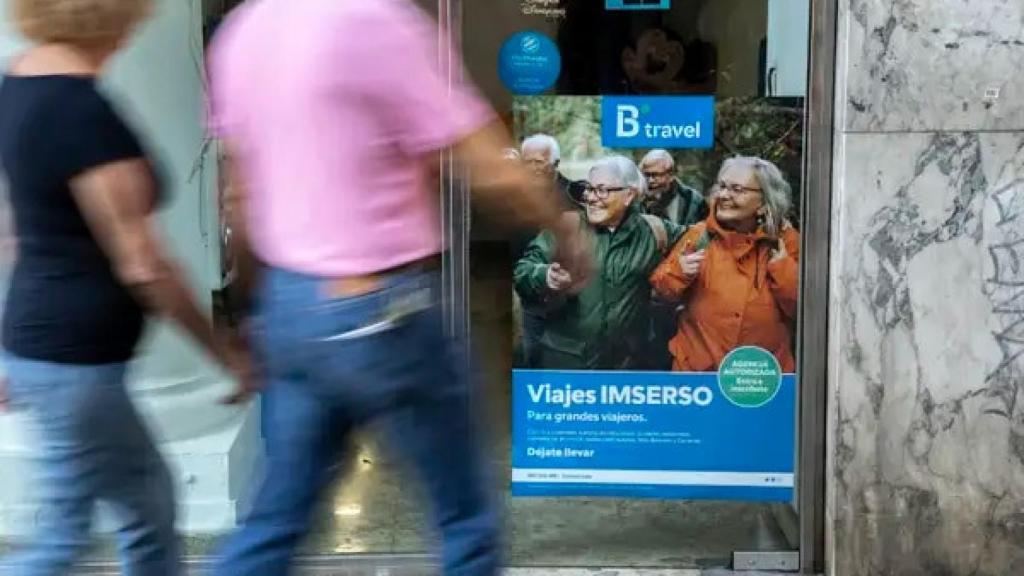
(83, 23)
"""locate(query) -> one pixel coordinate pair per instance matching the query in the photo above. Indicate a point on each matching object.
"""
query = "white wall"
(10, 43)
(158, 82)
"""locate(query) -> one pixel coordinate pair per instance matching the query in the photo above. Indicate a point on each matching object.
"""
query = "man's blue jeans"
(336, 363)
(94, 447)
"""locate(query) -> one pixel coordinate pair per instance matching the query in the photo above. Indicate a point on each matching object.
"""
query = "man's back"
(333, 107)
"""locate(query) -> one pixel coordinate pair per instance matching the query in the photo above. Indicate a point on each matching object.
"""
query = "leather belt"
(354, 286)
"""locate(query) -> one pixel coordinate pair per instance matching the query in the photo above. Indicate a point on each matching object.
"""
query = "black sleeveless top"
(64, 303)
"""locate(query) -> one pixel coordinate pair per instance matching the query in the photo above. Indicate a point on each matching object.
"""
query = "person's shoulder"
(229, 30)
(695, 231)
(84, 104)
(691, 236)
(683, 188)
(402, 9)
(54, 109)
(54, 90)
(391, 15)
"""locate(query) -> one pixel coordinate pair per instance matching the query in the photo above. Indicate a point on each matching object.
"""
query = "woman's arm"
(115, 200)
(784, 273)
(669, 279)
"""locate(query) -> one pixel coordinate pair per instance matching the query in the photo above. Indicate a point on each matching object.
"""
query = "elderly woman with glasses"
(737, 273)
(601, 325)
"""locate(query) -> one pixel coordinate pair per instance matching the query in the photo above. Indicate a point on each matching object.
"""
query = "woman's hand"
(779, 253)
(235, 357)
(691, 263)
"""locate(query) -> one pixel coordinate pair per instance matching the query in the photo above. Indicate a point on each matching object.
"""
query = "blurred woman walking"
(89, 267)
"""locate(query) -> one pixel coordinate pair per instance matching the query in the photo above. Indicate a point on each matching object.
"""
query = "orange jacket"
(739, 298)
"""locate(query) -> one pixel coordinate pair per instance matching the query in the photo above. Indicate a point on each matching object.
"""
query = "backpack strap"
(658, 228)
(704, 239)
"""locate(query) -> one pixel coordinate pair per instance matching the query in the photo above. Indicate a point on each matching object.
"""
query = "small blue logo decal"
(529, 63)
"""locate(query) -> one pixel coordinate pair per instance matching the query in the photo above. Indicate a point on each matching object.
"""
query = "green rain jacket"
(602, 327)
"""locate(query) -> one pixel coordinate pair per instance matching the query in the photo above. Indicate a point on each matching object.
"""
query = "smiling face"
(607, 200)
(739, 199)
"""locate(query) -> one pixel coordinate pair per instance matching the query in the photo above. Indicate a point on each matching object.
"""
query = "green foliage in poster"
(767, 128)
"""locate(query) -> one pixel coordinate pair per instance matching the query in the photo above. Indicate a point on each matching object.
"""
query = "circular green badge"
(750, 377)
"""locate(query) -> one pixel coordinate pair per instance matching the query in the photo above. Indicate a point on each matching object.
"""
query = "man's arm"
(506, 189)
(530, 274)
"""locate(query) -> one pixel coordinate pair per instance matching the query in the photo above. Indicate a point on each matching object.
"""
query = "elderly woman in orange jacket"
(737, 273)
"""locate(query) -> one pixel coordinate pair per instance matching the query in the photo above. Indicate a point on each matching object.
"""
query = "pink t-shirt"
(335, 108)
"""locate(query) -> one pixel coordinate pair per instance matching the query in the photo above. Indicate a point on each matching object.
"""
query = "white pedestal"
(215, 475)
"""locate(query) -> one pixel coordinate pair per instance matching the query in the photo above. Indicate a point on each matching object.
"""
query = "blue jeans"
(337, 363)
(94, 447)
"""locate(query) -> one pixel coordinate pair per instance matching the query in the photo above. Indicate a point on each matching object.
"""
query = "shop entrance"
(618, 437)
(613, 444)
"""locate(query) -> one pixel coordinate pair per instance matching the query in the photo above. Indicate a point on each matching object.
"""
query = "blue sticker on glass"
(637, 4)
(529, 63)
(658, 121)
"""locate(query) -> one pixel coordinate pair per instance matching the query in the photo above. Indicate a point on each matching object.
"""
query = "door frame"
(812, 336)
(814, 286)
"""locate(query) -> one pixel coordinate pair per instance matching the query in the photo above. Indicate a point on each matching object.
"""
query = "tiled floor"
(383, 568)
(376, 510)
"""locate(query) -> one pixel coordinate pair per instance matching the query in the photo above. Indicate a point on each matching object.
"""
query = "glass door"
(654, 420)
(651, 419)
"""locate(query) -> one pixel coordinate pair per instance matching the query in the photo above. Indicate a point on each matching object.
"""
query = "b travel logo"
(658, 122)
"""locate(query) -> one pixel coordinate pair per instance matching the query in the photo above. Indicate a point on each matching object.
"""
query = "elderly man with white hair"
(667, 197)
(602, 325)
(541, 155)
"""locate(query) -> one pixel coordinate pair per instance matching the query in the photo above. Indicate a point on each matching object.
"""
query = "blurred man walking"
(333, 114)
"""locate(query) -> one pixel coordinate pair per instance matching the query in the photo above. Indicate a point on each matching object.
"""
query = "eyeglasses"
(651, 174)
(736, 189)
(601, 192)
